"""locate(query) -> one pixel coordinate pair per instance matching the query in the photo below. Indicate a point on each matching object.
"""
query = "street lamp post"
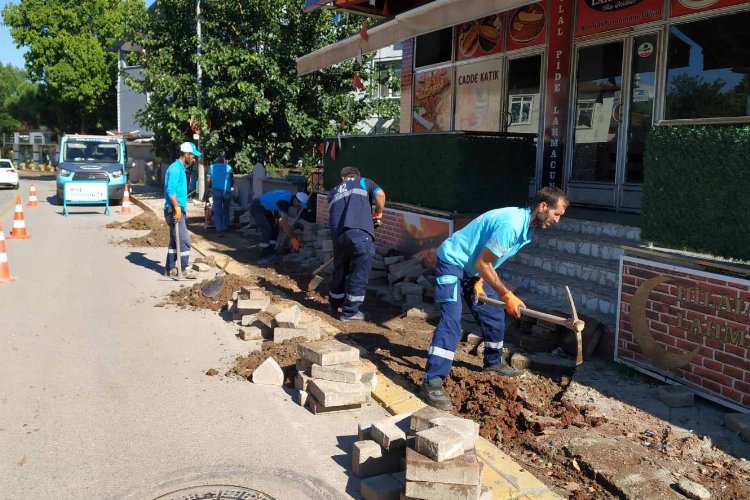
(201, 168)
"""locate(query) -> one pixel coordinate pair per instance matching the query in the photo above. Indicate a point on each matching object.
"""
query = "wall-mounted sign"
(682, 7)
(24, 137)
(595, 16)
(556, 98)
(478, 96)
(687, 325)
(432, 101)
(480, 37)
(527, 26)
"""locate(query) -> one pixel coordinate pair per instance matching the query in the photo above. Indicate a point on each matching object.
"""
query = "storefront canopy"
(430, 17)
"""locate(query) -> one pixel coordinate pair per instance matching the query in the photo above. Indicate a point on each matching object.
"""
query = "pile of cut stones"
(429, 454)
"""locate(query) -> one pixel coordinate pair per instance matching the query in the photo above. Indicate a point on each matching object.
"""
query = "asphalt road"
(103, 395)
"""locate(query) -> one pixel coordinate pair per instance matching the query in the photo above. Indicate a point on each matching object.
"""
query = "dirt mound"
(285, 355)
(192, 297)
(158, 235)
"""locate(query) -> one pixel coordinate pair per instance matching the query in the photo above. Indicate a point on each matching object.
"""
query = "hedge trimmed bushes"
(696, 192)
(459, 172)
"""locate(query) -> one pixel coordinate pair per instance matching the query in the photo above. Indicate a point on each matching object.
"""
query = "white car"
(8, 174)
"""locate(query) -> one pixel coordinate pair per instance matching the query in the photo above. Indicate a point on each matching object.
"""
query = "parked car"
(8, 174)
(92, 158)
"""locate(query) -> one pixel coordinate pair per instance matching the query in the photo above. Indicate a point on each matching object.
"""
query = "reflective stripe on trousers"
(184, 242)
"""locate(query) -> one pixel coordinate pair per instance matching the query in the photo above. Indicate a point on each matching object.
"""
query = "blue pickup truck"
(93, 157)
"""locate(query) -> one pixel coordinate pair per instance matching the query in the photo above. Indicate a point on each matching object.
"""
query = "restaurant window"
(434, 47)
(708, 68)
(585, 113)
(389, 80)
(520, 109)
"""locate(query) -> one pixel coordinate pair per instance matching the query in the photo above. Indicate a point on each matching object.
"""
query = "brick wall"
(667, 312)
(407, 65)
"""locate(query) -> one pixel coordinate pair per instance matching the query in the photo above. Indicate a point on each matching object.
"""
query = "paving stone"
(301, 398)
(303, 365)
(232, 306)
(273, 310)
(468, 429)
(382, 487)
(389, 261)
(371, 459)
(370, 380)
(439, 443)
(389, 434)
(268, 373)
(336, 393)
(738, 422)
(693, 490)
(552, 364)
(250, 333)
(282, 334)
(350, 373)
(288, 318)
(301, 381)
(422, 311)
(442, 491)
(201, 267)
(464, 469)
(246, 290)
(420, 419)
(520, 362)
(252, 306)
(544, 333)
(316, 407)
(328, 352)
(364, 431)
(235, 295)
(590, 337)
(253, 345)
(676, 396)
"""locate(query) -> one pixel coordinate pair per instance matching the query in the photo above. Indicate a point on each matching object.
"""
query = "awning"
(431, 17)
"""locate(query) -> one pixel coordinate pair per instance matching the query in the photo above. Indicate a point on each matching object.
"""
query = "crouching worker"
(266, 210)
(466, 266)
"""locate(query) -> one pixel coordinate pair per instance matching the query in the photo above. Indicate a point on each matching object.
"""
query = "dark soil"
(158, 235)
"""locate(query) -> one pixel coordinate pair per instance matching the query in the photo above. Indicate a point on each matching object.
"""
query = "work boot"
(503, 368)
(266, 260)
(432, 393)
(172, 273)
(357, 316)
(190, 274)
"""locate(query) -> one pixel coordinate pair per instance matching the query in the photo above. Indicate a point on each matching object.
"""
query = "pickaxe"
(572, 323)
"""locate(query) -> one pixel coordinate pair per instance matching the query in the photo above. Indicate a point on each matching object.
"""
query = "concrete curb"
(501, 473)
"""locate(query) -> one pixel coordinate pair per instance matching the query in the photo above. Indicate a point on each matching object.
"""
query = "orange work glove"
(478, 291)
(377, 220)
(512, 304)
(295, 245)
(177, 213)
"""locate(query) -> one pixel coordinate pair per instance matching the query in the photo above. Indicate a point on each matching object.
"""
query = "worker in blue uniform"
(220, 181)
(466, 266)
(271, 212)
(352, 221)
(175, 209)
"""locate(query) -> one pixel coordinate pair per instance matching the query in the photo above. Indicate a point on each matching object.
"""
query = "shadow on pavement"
(140, 259)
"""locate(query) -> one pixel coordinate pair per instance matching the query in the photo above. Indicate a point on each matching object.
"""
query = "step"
(591, 270)
(594, 228)
(586, 245)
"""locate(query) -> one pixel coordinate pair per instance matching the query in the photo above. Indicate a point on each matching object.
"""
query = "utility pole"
(201, 168)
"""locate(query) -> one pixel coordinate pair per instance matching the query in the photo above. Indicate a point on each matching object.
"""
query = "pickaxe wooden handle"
(572, 323)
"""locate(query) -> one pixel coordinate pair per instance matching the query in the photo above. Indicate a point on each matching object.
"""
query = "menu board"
(683, 7)
(432, 101)
(480, 37)
(526, 26)
(596, 16)
(478, 96)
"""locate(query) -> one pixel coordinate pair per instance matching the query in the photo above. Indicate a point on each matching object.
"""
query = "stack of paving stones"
(430, 454)
(332, 377)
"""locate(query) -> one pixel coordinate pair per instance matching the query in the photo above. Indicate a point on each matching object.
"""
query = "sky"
(8, 51)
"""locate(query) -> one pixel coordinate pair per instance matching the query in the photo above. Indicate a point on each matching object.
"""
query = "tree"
(251, 95)
(70, 56)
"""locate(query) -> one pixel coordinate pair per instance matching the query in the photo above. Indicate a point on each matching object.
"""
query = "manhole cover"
(216, 492)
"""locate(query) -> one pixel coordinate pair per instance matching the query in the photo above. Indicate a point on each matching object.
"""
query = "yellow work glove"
(512, 304)
(295, 245)
(177, 213)
(478, 291)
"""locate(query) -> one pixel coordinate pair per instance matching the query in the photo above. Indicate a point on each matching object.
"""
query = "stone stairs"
(584, 255)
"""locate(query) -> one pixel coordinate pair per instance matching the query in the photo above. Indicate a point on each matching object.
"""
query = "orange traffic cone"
(19, 224)
(33, 202)
(4, 270)
(125, 208)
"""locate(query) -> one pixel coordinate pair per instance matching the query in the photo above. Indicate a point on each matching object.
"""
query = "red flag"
(386, 12)
(333, 151)
(321, 148)
(343, 124)
(356, 82)
(363, 32)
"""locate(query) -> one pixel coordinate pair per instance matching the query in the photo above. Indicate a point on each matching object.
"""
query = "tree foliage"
(70, 54)
(250, 93)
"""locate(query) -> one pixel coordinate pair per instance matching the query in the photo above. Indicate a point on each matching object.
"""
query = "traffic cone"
(19, 224)
(125, 208)
(4, 270)
(33, 202)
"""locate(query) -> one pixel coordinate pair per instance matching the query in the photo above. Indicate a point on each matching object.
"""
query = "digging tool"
(180, 276)
(572, 323)
(281, 240)
(316, 280)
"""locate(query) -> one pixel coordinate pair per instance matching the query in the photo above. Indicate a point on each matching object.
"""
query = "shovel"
(316, 280)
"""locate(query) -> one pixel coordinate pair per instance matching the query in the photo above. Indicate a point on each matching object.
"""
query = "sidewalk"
(506, 477)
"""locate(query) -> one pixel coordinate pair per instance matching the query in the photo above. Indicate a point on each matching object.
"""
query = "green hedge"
(459, 172)
(696, 194)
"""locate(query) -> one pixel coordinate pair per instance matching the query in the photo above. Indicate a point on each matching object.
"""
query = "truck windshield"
(90, 151)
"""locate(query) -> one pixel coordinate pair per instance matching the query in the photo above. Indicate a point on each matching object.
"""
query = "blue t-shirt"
(504, 231)
(350, 206)
(175, 184)
(221, 176)
(277, 201)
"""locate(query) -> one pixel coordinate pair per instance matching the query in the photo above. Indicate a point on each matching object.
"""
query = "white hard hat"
(302, 197)
(189, 147)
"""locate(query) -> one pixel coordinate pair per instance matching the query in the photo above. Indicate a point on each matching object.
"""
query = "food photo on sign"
(526, 26)
(480, 37)
(432, 101)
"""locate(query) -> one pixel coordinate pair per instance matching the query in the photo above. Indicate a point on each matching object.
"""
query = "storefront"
(590, 77)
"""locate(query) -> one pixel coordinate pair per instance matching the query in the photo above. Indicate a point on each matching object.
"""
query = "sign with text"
(478, 96)
(687, 325)
(595, 16)
(526, 27)
(86, 193)
(556, 98)
(683, 7)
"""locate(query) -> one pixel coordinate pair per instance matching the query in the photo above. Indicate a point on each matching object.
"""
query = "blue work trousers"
(269, 230)
(353, 251)
(222, 201)
(453, 285)
(184, 241)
